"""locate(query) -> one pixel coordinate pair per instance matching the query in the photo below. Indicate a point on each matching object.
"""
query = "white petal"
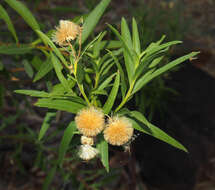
(87, 152)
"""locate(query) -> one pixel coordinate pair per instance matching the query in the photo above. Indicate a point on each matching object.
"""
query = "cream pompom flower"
(65, 32)
(118, 131)
(87, 140)
(90, 121)
(87, 152)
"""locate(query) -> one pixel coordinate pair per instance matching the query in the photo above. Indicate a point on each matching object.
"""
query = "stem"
(96, 80)
(79, 51)
(73, 50)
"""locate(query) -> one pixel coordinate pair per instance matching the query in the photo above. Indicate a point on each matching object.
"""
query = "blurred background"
(181, 103)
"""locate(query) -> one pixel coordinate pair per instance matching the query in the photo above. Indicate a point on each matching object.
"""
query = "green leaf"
(144, 65)
(80, 73)
(135, 37)
(156, 48)
(103, 150)
(67, 137)
(140, 83)
(36, 62)
(129, 60)
(58, 67)
(45, 68)
(2, 99)
(47, 41)
(156, 61)
(110, 101)
(46, 124)
(25, 13)
(97, 46)
(1, 66)
(104, 65)
(107, 68)
(59, 89)
(6, 18)
(155, 131)
(49, 178)
(110, 44)
(28, 68)
(15, 49)
(64, 105)
(126, 33)
(93, 18)
(100, 92)
(33, 93)
(105, 82)
(122, 75)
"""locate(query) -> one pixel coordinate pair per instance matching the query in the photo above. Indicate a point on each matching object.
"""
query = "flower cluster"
(65, 32)
(90, 122)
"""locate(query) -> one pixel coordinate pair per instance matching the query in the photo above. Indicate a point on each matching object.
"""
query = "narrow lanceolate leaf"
(6, 18)
(156, 61)
(122, 75)
(25, 13)
(110, 44)
(46, 124)
(33, 93)
(97, 46)
(129, 60)
(111, 99)
(155, 131)
(67, 137)
(28, 68)
(44, 69)
(15, 49)
(135, 37)
(47, 41)
(80, 73)
(58, 67)
(157, 48)
(105, 83)
(103, 150)
(64, 105)
(126, 33)
(93, 18)
(140, 83)
(49, 178)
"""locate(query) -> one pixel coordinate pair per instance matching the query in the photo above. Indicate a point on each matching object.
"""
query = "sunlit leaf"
(15, 49)
(111, 99)
(64, 105)
(25, 13)
(155, 131)
(33, 93)
(6, 18)
(46, 124)
(67, 137)
(103, 150)
(93, 18)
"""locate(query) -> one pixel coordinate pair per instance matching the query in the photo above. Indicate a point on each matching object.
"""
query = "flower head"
(87, 140)
(87, 152)
(90, 121)
(65, 32)
(119, 131)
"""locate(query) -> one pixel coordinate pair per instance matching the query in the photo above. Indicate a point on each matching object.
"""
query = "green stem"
(96, 80)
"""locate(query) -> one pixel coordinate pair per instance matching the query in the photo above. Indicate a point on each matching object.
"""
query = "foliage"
(90, 72)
